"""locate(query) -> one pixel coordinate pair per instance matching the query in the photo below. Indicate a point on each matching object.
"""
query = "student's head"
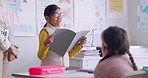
(115, 41)
(53, 15)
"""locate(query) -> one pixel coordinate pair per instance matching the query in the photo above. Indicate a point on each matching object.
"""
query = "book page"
(76, 39)
(63, 39)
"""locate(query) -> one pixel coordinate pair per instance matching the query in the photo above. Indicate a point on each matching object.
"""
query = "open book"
(65, 40)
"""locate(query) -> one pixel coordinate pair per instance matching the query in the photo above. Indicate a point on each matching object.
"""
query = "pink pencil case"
(46, 70)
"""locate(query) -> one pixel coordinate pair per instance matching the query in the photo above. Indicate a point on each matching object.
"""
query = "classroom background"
(26, 17)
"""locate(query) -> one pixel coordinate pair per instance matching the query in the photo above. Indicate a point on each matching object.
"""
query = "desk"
(67, 74)
(136, 74)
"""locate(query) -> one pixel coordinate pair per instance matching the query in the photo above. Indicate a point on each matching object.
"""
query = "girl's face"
(56, 18)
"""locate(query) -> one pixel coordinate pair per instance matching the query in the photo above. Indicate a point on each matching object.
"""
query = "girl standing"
(53, 15)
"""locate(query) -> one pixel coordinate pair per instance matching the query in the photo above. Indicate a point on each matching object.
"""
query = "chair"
(136, 74)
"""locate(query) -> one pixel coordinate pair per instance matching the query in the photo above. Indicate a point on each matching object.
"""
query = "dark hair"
(117, 43)
(49, 11)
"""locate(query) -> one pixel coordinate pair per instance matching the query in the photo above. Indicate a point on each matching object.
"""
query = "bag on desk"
(46, 70)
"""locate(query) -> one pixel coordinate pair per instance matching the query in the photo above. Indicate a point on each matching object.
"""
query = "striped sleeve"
(4, 43)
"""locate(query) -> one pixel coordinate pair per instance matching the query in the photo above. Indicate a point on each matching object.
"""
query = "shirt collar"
(51, 26)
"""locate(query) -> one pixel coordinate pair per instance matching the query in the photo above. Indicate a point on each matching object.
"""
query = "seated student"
(53, 16)
(116, 56)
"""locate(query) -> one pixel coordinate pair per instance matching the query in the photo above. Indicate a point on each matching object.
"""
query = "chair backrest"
(136, 74)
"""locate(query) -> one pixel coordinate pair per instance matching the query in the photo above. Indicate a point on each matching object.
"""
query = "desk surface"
(67, 74)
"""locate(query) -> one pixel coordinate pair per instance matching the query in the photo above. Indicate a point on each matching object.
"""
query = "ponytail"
(45, 25)
(132, 60)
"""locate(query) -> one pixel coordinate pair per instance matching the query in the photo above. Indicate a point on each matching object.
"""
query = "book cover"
(65, 40)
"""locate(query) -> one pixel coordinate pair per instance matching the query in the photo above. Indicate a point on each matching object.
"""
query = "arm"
(6, 46)
(4, 42)
(44, 43)
(42, 50)
(77, 49)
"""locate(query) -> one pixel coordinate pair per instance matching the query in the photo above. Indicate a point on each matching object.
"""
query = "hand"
(49, 40)
(83, 40)
(12, 53)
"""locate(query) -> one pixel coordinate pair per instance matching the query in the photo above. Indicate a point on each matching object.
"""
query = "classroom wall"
(121, 22)
(28, 46)
(138, 35)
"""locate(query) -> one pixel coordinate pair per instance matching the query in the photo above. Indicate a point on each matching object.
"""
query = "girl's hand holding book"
(83, 40)
(49, 40)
